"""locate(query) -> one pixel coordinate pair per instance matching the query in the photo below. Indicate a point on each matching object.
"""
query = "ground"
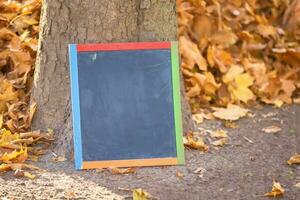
(239, 170)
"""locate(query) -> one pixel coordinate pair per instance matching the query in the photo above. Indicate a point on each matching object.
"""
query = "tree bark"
(90, 21)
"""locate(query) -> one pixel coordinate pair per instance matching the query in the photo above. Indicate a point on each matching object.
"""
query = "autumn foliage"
(240, 51)
(19, 30)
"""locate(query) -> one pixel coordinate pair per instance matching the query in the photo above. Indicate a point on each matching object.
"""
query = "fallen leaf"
(219, 134)
(179, 174)
(140, 194)
(29, 175)
(198, 118)
(224, 37)
(295, 159)
(277, 190)
(191, 53)
(230, 124)
(58, 159)
(220, 142)
(232, 112)
(200, 171)
(115, 170)
(266, 30)
(199, 144)
(271, 129)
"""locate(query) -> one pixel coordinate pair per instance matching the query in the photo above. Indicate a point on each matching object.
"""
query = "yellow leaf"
(271, 129)
(232, 112)
(240, 90)
(139, 194)
(220, 142)
(219, 134)
(277, 190)
(1, 121)
(195, 144)
(198, 118)
(233, 71)
(242, 93)
(4, 167)
(295, 159)
(15, 156)
(28, 175)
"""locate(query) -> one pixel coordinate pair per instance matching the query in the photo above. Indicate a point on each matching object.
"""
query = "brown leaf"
(277, 190)
(224, 37)
(191, 53)
(230, 124)
(199, 144)
(115, 170)
(295, 159)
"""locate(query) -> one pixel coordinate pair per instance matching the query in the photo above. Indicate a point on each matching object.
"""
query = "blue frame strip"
(75, 106)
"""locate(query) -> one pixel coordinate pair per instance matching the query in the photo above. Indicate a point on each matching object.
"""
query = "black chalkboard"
(125, 106)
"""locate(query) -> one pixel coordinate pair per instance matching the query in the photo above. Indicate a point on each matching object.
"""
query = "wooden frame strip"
(123, 46)
(130, 163)
(75, 106)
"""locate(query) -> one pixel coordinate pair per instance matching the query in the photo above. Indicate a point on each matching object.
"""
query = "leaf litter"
(19, 30)
(239, 52)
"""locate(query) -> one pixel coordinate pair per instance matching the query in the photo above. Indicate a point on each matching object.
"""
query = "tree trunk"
(90, 21)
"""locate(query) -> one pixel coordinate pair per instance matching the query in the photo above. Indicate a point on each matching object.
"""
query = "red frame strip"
(123, 46)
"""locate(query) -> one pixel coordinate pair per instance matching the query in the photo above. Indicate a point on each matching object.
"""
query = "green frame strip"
(177, 102)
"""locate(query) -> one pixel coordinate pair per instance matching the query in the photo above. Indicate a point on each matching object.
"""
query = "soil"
(241, 170)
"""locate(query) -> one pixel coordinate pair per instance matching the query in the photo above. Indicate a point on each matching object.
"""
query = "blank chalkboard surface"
(126, 104)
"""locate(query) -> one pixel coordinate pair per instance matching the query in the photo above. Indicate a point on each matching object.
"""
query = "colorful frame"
(79, 162)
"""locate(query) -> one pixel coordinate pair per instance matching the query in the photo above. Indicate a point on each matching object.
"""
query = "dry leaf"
(220, 142)
(295, 159)
(28, 175)
(232, 112)
(277, 190)
(140, 194)
(251, 55)
(179, 174)
(199, 144)
(191, 53)
(266, 30)
(224, 37)
(219, 134)
(115, 170)
(230, 124)
(198, 118)
(58, 159)
(271, 129)
(200, 171)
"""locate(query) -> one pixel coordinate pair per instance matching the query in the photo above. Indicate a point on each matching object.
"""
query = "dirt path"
(240, 170)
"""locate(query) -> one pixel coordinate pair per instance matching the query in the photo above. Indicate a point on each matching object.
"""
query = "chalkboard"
(126, 104)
